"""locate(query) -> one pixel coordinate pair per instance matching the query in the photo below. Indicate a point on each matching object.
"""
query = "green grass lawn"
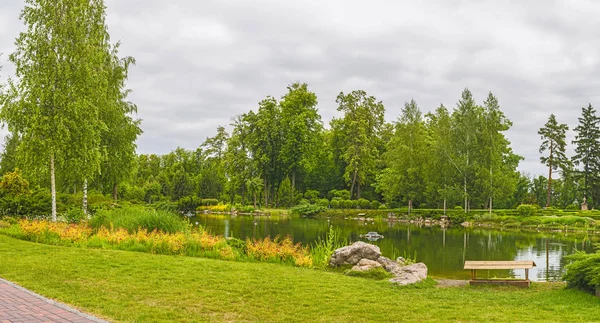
(137, 287)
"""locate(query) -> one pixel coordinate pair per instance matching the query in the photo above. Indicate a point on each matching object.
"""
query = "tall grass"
(322, 249)
(134, 219)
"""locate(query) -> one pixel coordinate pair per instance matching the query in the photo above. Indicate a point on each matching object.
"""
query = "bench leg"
(526, 274)
(473, 274)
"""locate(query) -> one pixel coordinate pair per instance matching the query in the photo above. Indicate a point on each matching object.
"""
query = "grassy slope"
(128, 286)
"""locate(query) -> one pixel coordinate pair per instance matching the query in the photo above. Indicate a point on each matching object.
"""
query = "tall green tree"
(300, 120)
(466, 125)
(406, 155)
(359, 129)
(553, 137)
(498, 163)
(122, 130)
(587, 151)
(265, 142)
(56, 102)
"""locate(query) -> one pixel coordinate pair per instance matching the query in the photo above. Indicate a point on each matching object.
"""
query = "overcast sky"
(199, 63)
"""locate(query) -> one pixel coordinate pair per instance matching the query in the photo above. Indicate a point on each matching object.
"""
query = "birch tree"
(55, 102)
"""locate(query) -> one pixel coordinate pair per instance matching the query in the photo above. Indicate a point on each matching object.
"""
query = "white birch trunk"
(53, 187)
(85, 200)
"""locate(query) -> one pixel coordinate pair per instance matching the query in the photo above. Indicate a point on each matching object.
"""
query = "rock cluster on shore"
(364, 256)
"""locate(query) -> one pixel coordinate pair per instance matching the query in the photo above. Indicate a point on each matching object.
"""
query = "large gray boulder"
(366, 264)
(409, 274)
(352, 254)
(388, 264)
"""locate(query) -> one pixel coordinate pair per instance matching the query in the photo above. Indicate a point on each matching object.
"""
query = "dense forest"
(281, 153)
(79, 134)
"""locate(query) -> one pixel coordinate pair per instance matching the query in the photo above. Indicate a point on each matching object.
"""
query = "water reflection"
(444, 250)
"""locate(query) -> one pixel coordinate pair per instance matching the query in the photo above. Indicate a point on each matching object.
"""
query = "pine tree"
(587, 150)
(553, 137)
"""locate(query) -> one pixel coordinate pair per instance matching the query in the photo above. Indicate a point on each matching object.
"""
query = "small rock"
(409, 274)
(401, 261)
(351, 255)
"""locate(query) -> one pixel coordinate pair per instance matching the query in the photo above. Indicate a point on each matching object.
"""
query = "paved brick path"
(18, 304)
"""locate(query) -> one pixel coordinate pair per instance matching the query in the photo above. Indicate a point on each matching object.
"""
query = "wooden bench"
(490, 264)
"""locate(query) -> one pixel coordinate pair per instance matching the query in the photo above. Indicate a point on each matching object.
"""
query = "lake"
(442, 250)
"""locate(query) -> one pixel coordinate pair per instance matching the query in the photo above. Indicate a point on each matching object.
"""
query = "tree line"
(72, 127)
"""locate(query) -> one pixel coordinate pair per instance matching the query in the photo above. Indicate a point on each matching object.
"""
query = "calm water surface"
(442, 250)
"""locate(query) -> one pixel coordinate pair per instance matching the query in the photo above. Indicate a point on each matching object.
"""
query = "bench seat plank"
(490, 264)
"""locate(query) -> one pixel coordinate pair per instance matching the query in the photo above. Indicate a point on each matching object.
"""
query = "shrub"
(572, 207)
(335, 204)
(323, 202)
(393, 204)
(458, 207)
(342, 194)
(363, 203)
(354, 204)
(75, 215)
(311, 195)
(188, 204)
(134, 219)
(525, 210)
(584, 272)
(307, 209)
(4, 224)
(277, 250)
(382, 206)
(375, 204)
(245, 209)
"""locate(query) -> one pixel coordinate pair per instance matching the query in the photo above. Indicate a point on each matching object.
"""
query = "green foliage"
(134, 219)
(584, 272)
(322, 249)
(13, 184)
(554, 141)
(208, 202)
(308, 209)
(375, 273)
(189, 204)
(75, 215)
(587, 153)
(335, 204)
(376, 204)
(364, 203)
(526, 210)
(341, 194)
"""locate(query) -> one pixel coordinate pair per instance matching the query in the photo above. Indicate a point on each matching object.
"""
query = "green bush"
(323, 202)
(75, 215)
(311, 195)
(458, 207)
(584, 272)
(134, 219)
(335, 204)
(4, 224)
(346, 204)
(245, 209)
(526, 210)
(363, 203)
(188, 204)
(307, 209)
(375, 204)
(382, 206)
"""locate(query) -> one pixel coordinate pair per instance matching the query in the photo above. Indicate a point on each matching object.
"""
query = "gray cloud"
(199, 63)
